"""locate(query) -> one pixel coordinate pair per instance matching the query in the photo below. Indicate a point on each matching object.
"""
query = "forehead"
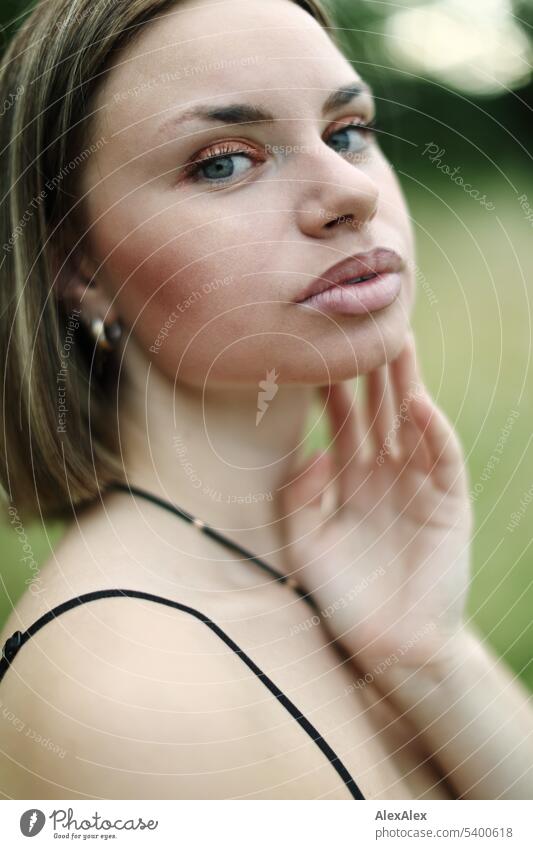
(205, 49)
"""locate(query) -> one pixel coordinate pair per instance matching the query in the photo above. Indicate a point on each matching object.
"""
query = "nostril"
(342, 219)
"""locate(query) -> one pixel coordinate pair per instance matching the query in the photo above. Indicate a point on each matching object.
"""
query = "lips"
(354, 270)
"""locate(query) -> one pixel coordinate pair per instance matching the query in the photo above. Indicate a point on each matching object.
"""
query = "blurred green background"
(456, 74)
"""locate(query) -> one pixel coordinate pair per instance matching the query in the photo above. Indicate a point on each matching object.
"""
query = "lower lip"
(358, 298)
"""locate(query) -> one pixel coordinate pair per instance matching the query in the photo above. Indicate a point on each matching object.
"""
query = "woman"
(202, 237)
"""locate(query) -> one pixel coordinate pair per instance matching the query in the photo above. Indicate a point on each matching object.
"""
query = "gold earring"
(106, 337)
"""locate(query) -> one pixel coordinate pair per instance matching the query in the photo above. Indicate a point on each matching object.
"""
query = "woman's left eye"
(353, 138)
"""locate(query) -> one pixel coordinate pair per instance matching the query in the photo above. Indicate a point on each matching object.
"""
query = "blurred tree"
(12, 12)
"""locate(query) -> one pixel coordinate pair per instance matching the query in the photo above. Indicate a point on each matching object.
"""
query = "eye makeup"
(212, 165)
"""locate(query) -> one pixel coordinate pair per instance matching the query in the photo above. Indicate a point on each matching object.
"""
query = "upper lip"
(379, 260)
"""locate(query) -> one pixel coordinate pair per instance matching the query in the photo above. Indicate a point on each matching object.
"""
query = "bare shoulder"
(122, 698)
(105, 547)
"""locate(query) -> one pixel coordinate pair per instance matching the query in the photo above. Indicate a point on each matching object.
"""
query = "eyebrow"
(246, 113)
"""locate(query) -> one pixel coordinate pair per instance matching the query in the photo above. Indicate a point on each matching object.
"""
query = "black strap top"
(15, 643)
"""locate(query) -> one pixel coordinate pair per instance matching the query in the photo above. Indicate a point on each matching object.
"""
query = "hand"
(389, 567)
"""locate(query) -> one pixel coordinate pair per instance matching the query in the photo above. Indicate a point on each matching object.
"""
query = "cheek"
(393, 206)
(189, 297)
(395, 222)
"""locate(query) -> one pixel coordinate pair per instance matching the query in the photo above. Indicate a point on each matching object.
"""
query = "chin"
(360, 349)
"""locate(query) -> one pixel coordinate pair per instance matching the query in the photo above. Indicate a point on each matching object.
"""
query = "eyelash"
(192, 170)
(219, 152)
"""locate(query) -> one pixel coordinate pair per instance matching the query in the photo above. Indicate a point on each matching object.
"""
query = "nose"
(337, 194)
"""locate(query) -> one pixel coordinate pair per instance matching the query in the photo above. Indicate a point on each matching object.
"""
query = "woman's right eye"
(226, 165)
(223, 167)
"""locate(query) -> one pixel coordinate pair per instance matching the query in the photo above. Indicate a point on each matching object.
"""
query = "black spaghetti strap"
(19, 638)
(208, 531)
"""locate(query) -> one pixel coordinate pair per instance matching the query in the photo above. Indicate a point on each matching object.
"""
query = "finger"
(344, 436)
(405, 378)
(445, 453)
(380, 414)
(308, 483)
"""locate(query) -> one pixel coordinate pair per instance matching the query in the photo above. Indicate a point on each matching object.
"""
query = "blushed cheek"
(185, 305)
(395, 219)
(183, 247)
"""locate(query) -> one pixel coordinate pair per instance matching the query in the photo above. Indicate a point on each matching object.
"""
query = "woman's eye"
(225, 165)
(223, 168)
(353, 138)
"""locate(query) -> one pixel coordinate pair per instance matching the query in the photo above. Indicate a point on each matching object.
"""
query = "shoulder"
(125, 698)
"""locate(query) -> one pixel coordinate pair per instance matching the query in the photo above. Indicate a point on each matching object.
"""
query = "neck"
(205, 450)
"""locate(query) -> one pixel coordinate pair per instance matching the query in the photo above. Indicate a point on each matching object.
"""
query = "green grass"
(476, 355)
(475, 349)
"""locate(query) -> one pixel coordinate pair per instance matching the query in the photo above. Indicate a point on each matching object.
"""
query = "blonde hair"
(50, 72)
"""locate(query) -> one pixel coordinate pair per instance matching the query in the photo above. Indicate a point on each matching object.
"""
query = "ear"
(77, 287)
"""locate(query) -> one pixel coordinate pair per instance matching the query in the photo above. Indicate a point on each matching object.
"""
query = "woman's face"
(204, 261)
